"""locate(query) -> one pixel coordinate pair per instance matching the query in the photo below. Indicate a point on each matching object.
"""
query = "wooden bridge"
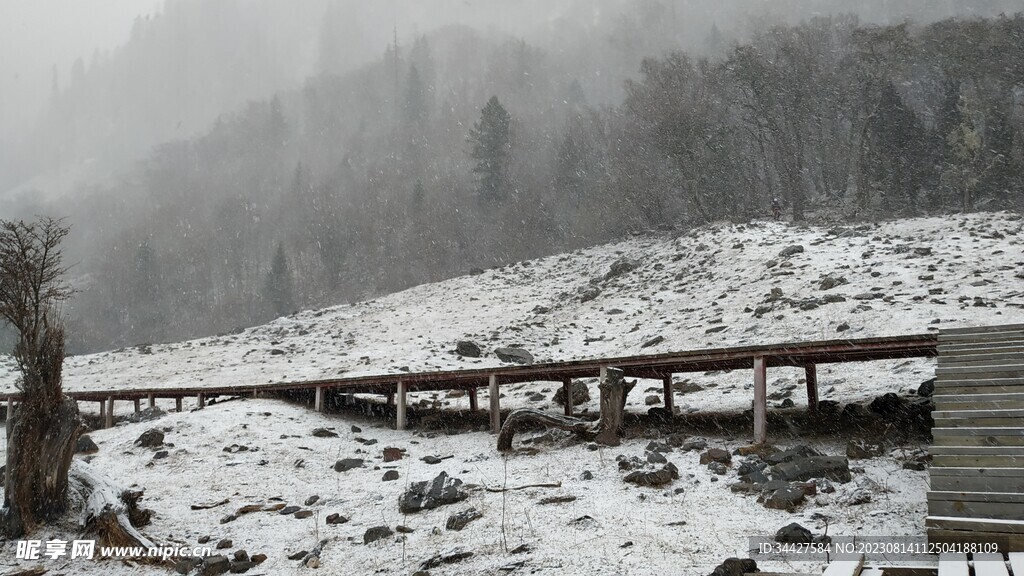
(395, 387)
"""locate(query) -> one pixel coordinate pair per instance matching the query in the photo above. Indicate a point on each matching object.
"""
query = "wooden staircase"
(977, 473)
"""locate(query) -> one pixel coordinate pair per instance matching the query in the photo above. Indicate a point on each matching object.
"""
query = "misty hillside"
(720, 285)
(472, 146)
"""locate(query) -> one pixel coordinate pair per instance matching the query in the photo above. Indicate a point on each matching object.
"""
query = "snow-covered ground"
(284, 461)
(709, 288)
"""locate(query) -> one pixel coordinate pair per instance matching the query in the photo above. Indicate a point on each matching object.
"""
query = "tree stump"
(614, 390)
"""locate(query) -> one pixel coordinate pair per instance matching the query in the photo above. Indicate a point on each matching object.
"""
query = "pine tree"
(277, 292)
(492, 150)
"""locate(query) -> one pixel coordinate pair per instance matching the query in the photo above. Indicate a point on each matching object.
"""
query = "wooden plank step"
(988, 483)
(946, 390)
(996, 333)
(1016, 560)
(987, 372)
(989, 565)
(978, 380)
(977, 461)
(970, 349)
(951, 402)
(996, 413)
(995, 497)
(982, 329)
(980, 359)
(976, 450)
(975, 525)
(845, 567)
(953, 565)
(1005, 542)
(967, 471)
(977, 510)
(978, 436)
(975, 422)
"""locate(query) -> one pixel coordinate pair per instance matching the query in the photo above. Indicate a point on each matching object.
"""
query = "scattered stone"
(787, 498)
(302, 514)
(794, 533)
(312, 500)
(390, 476)
(735, 567)
(426, 495)
(860, 449)
(652, 400)
(468, 349)
(152, 438)
(653, 341)
(580, 394)
(831, 467)
(403, 529)
(459, 520)
(288, 510)
(588, 293)
(258, 558)
(346, 464)
(324, 433)
(85, 445)
(356, 429)
(927, 388)
(587, 475)
(225, 543)
(656, 458)
(392, 454)
(445, 558)
(213, 565)
(335, 518)
(830, 282)
(716, 455)
(376, 533)
(666, 474)
(791, 251)
(620, 267)
(694, 444)
(514, 355)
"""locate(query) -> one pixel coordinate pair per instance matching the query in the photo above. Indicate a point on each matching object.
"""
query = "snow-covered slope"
(711, 287)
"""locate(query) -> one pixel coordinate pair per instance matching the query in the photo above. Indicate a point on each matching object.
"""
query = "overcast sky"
(36, 34)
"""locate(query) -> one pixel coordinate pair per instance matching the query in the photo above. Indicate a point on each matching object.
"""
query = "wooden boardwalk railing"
(660, 366)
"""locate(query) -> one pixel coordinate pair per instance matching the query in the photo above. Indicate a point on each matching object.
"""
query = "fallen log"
(606, 430)
(109, 511)
(525, 486)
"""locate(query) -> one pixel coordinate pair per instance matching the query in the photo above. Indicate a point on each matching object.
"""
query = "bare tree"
(42, 433)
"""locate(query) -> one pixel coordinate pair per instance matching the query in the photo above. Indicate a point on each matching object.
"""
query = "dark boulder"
(85, 445)
(735, 567)
(835, 468)
(376, 533)
(460, 520)
(794, 533)
(426, 495)
(580, 394)
(152, 438)
(514, 355)
(468, 349)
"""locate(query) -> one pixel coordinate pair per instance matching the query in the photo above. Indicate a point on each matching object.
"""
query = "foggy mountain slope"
(713, 287)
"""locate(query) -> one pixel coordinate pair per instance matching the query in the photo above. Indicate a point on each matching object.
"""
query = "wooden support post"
(10, 408)
(103, 410)
(201, 400)
(138, 405)
(811, 374)
(177, 404)
(319, 402)
(152, 400)
(401, 405)
(567, 391)
(109, 422)
(391, 398)
(492, 389)
(670, 402)
(473, 405)
(760, 400)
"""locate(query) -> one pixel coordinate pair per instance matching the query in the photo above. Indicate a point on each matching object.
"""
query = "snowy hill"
(719, 285)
